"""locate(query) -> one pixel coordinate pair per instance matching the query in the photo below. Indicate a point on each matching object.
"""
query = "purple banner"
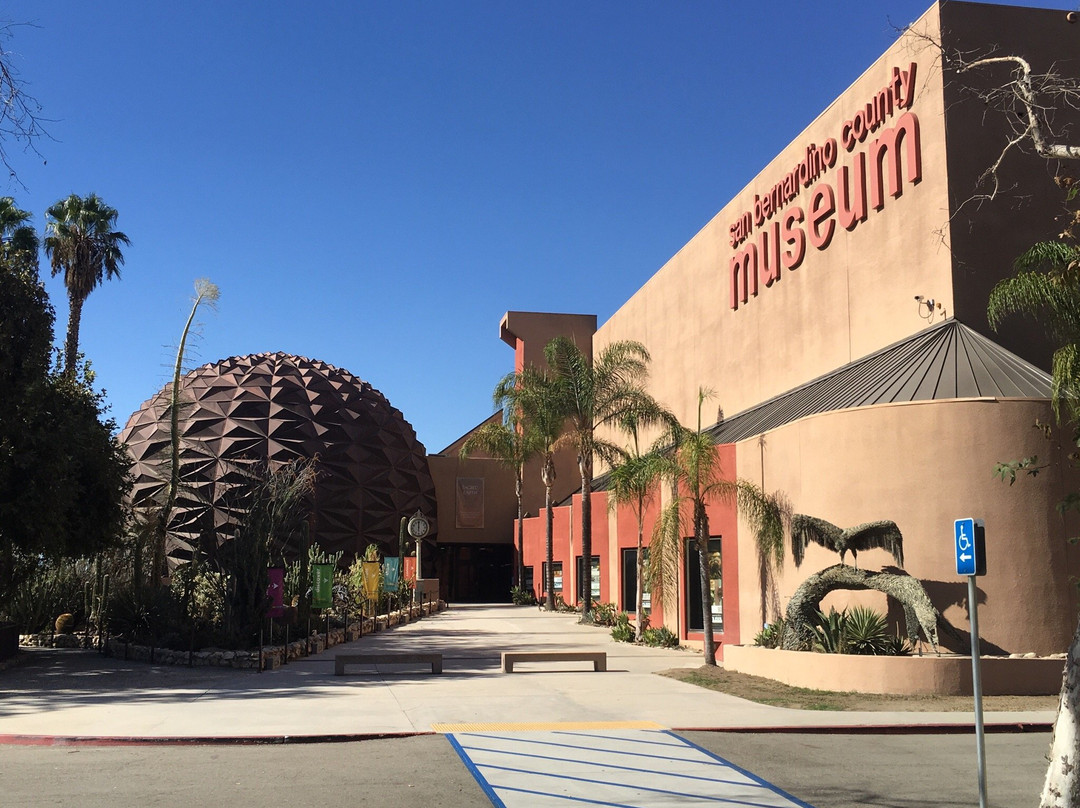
(275, 591)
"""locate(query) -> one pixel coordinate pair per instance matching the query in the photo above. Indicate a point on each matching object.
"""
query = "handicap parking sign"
(970, 545)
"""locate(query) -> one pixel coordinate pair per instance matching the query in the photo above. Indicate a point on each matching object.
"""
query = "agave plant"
(865, 632)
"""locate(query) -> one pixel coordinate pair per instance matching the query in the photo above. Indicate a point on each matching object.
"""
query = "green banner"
(322, 586)
(391, 574)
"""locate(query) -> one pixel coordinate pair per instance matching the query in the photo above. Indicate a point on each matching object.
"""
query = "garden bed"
(947, 675)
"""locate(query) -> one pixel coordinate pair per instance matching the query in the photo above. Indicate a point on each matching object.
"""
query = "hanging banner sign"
(391, 574)
(322, 586)
(275, 591)
(372, 571)
(410, 568)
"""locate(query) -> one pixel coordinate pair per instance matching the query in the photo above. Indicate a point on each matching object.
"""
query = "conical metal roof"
(946, 361)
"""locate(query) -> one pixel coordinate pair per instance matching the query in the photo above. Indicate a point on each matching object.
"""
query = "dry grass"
(768, 691)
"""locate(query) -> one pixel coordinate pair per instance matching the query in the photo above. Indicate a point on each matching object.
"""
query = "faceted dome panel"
(246, 412)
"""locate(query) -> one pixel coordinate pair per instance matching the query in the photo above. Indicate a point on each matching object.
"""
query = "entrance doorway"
(475, 573)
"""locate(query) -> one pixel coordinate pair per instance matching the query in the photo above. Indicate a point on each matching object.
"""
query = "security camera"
(919, 298)
(1073, 16)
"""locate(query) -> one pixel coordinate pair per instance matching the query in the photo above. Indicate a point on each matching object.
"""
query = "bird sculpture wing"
(885, 535)
(806, 529)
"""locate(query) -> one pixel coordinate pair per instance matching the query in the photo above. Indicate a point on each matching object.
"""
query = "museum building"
(837, 305)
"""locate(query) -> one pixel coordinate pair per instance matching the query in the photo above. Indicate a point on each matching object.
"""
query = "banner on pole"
(275, 591)
(371, 573)
(391, 574)
(322, 586)
(410, 568)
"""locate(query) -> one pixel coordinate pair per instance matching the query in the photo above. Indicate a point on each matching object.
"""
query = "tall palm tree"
(19, 240)
(694, 470)
(1046, 287)
(534, 391)
(593, 395)
(634, 482)
(81, 242)
(512, 443)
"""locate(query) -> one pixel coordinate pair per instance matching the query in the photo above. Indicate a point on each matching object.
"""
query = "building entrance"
(475, 573)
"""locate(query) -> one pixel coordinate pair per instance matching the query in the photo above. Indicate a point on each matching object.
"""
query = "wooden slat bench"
(341, 660)
(597, 658)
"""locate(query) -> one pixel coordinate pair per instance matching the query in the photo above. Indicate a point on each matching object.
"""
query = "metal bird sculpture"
(806, 529)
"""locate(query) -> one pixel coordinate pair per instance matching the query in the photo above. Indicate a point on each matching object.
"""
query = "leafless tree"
(21, 121)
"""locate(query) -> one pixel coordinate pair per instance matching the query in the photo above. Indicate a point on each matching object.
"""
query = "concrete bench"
(341, 660)
(597, 658)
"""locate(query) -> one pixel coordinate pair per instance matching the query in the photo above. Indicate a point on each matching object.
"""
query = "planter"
(925, 675)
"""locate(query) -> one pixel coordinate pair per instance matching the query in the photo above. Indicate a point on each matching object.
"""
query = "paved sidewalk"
(82, 694)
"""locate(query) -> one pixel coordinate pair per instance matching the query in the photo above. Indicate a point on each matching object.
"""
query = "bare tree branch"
(20, 113)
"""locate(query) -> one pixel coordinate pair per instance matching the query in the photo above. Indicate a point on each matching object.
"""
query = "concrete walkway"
(69, 694)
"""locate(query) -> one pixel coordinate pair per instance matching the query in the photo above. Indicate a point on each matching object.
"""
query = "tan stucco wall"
(843, 302)
(500, 501)
(923, 465)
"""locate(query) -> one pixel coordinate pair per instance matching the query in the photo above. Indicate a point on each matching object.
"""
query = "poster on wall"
(322, 586)
(470, 502)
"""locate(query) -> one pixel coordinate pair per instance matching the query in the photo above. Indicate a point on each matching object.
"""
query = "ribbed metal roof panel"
(947, 361)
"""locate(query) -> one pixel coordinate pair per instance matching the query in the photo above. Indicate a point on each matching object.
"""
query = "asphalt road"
(826, 770)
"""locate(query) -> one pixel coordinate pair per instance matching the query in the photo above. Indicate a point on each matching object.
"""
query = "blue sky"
(375, 184)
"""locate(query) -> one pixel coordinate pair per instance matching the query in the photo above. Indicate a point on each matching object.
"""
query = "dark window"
(595, 578)
(528, 583)
(693, 587)
(557, 568)
(629, 579)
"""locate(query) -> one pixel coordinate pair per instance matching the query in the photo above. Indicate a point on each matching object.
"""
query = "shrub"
(603, 614)
(661, 637)
(522, 596)
(623, 631)
(865, 632)
(830, 632)
(771, 635)
(858, 631)
(47, 590)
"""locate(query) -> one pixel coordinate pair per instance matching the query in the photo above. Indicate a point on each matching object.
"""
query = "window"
(693, 586)
(629, 581)
(557, 586)
(595, 578)
(527, 583)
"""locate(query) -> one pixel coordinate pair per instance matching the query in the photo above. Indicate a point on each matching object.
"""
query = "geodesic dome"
(247, 413)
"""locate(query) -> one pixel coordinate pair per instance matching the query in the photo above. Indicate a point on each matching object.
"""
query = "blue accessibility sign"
(969, 542)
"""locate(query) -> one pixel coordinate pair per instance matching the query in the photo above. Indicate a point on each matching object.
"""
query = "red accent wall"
(723, 522)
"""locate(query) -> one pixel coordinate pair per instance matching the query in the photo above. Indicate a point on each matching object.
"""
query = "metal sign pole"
(976, 684)
(969, 541)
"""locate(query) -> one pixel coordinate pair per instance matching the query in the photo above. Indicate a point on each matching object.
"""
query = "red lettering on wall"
(822, 207)
(851, 202)
(744, 275)
(885, 159)
(769, 253)
(794, 237)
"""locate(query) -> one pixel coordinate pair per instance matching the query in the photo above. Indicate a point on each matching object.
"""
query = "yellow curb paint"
(544, 726)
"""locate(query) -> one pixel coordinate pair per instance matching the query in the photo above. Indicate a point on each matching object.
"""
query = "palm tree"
(1046, 286)
(534, 395)
(81, 241)
(511, 442)
(634, 482)
(593, 395)
(694, 470)
(20, 242)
